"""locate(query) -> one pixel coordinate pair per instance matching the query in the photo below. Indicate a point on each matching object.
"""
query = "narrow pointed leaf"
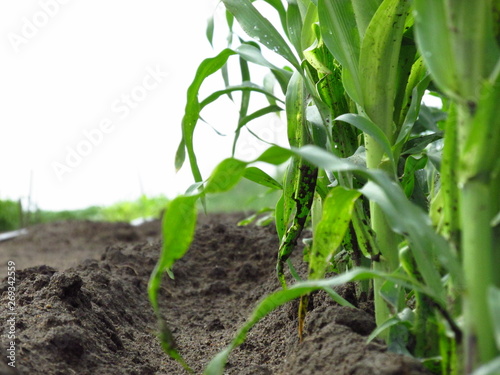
(192, 111)
(277, 299)
(364, 11)
(413, 111)
(341, 36)
(378, 62)
(365, 125)
(246, 86)
(435, 43)
(275, 155)
(253, 54)
(330, 231)
(294, 26)
(225, 176)
(259, 176)
(259, 113)
(210, 30)
(178, 227)
(259, 28)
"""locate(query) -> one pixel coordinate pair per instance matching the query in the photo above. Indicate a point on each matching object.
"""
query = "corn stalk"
(459, 42)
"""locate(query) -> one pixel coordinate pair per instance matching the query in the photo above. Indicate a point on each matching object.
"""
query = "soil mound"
(82, 307)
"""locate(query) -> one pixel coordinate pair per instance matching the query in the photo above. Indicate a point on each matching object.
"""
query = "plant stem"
(479, 202)
(478, 250)
(387, 240)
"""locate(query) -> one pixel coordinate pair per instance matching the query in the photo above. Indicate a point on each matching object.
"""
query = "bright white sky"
(115, 66)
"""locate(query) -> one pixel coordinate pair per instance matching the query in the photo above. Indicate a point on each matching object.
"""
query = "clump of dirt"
(95, 318)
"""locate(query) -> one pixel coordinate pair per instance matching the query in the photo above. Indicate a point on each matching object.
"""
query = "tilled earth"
(82, 306)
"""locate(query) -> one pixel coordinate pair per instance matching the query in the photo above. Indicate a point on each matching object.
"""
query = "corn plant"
(366, 164)
(464, 60)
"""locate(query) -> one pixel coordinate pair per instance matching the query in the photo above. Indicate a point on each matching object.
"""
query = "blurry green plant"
(10, 215)
(408, 192)
(143, 207)
(126, 211)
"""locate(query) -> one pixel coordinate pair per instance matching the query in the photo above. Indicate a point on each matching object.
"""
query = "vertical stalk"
(387, 240)
(478, 250)
(479, 139)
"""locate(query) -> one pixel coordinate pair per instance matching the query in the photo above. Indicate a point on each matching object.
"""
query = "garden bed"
(82, 306)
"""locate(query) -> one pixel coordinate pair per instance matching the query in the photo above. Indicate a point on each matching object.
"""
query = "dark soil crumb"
(82, 306)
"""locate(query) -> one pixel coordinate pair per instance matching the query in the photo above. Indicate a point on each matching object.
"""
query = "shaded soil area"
(82, 306)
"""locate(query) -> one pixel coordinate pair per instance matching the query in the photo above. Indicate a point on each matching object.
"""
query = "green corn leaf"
(405, 82)
(277, 299)
(253, 54)
(390, 292)
(275, 155)
(319, 57)
(412, 114)
(378, 62)
(245, 100)
(280, 218)
(340, 34)
(286, 201)
(259, 113)
(330, 231)
(230, 21)
(225, 77)
(262, 221)
(192, 111)
(434, 40)
(245, 77)
(225, 176)
(309, 27)
(412, 165)
(259, 176)
(210, 30)
(417, 82)
(169, 345)
(180, 155)
(294, 27)
(364, 11)
(179, 222)
(382, 327)
(178, 227)
(403, 318)
(245, 87)
(367, 126)
(426, 245)
(295, 110)
(418, 144)
(304, 5)
(259, 28)
(268, 84)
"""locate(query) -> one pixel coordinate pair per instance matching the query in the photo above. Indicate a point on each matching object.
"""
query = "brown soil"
(82, 306)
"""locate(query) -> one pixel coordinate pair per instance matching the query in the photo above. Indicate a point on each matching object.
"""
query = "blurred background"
(93, 94)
